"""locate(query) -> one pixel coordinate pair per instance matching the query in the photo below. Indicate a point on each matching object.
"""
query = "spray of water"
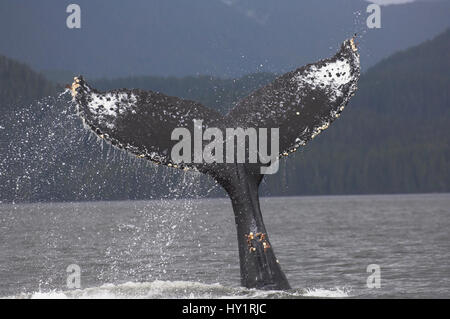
(47, 155)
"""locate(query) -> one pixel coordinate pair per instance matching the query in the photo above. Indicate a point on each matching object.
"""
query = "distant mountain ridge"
(394, 137)
(20, 84)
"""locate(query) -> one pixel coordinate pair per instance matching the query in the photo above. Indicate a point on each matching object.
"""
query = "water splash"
(179, 289)
(48, 155)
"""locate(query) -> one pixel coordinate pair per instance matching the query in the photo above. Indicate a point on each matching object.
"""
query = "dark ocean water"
(188, 248)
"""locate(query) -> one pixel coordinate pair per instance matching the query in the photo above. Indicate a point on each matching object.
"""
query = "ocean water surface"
(188, 248)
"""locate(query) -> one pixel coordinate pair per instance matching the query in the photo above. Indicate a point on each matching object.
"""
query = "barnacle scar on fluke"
(260, 239)
(353, 44)
(301, 104)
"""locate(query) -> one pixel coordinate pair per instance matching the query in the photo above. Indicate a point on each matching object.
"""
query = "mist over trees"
(19, 84)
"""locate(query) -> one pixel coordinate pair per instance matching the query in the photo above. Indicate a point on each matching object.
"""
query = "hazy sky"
(179, 37)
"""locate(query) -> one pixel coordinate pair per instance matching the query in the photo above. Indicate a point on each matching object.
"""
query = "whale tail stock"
(300, 104)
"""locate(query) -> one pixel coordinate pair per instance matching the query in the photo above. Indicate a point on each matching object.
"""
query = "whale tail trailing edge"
(301, 104)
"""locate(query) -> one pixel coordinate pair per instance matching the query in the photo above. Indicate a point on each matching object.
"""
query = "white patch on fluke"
(329, 77)
(106, 107)
(336, 79)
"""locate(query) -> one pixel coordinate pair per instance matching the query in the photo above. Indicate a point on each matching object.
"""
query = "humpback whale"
(300, 103)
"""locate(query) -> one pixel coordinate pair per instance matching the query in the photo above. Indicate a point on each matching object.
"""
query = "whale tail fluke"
(300, 104)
